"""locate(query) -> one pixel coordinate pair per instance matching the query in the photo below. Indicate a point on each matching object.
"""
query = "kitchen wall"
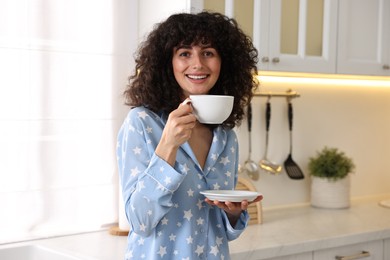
(352, 115)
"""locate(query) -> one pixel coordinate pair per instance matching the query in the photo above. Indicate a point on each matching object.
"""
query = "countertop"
(293, 230)
(285, 231)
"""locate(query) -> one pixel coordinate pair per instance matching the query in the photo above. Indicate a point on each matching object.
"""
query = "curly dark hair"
(153, 84)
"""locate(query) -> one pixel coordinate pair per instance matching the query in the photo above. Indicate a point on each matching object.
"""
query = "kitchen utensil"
(292, 169)
(251, 167)
(264, 163)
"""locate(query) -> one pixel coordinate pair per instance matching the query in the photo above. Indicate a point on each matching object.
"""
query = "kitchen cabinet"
(316, 36)
(320, 36)
(386, 252)
(290, 35)
(372, 250)
(364, 37)
(296, 35)
(304, 256)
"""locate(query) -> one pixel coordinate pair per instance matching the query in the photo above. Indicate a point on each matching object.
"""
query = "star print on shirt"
(218, 240)
(200, 204)
(129, 254)
(199, 250)
(162, 251)
(172, 237)
(167, 180)
(141, 241)
(224, 160)
(134, 172)
(142, 114)
(149, 130)
(214, 250)
(131, 128)
(190, 193)
(187, 214)
(142, 227)
(185, 168)
(137, 150)
(200, 221)
(164, 221)
(189, 240)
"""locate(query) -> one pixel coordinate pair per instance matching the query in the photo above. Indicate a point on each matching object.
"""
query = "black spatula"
(292, 169)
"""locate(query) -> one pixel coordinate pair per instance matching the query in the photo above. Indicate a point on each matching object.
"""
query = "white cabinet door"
(365, 251)
(364, 37)
(296, 35)
(386, 247)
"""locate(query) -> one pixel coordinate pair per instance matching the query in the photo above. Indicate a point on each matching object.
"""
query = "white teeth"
(197, 76)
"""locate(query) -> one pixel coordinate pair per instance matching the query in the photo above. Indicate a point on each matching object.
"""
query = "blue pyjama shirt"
(169, 218)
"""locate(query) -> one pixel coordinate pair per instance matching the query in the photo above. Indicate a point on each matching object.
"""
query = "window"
(64, 64)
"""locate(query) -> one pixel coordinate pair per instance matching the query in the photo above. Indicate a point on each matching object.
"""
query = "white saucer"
(230, 195)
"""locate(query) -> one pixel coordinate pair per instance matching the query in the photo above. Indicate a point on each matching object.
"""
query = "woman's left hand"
(233, 209)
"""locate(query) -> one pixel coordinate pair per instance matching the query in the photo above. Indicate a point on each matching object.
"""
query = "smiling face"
(196, 68)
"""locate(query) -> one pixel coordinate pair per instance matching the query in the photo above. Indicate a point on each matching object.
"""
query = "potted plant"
(330, 180)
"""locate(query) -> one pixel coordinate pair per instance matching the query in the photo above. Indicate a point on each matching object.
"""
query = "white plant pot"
(330, 194)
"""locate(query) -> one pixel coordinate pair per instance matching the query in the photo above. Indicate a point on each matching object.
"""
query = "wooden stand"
(116, 231)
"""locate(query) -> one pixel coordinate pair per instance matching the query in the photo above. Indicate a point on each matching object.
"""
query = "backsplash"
(353, 116)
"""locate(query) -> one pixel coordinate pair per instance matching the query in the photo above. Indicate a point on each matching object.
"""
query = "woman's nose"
(197, 62)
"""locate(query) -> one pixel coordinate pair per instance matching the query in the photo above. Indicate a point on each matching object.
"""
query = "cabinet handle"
(352, 257)
(275, 60)
(265, 59)
(386, 67)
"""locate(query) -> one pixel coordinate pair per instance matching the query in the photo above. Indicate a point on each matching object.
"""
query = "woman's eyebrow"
(183, 47)
(186, 46)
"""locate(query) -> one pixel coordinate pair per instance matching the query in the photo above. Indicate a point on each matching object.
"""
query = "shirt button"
(202, 230)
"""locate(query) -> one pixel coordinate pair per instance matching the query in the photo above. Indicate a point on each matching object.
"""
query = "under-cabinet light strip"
(289, 93)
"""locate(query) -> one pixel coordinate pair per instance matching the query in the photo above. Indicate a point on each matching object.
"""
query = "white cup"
(211, 109)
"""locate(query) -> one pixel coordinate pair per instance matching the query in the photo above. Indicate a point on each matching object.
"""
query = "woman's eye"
(184, 54)
(210, 53)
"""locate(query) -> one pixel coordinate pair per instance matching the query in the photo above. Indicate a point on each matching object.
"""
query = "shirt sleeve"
(147, 181)
(234, 232)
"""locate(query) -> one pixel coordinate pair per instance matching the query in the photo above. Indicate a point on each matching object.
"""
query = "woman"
(166, 157)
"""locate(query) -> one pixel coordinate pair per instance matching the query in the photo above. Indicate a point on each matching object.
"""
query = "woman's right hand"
(177, 131)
